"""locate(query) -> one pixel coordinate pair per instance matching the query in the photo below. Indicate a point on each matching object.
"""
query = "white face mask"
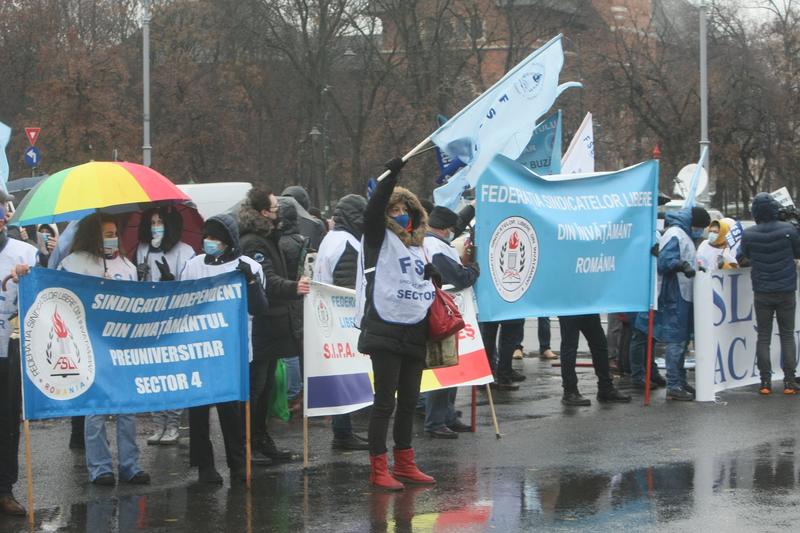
(158, 235)
(450, 236)
(712, 237)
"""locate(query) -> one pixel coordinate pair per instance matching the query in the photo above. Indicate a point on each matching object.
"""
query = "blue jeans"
(440, 408)
(543, 327)
(675, 356)
(98, 454)
(294, 381)
(638, 357)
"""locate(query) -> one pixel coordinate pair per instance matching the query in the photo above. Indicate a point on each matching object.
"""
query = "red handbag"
(444, 318)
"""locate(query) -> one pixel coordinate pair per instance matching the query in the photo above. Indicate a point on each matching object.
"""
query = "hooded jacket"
(294, 248)
(379, 336)
(349, 217)
(672, 321)
(771, 246)
(311, 228)
(273, 335)
(709, 253)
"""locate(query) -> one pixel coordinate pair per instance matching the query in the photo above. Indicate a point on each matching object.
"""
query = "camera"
(790, 214)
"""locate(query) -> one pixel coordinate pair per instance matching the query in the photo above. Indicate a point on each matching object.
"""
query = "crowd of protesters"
(278, 244)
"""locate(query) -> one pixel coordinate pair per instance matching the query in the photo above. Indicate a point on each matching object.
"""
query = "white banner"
(338, 378)
(725, 333)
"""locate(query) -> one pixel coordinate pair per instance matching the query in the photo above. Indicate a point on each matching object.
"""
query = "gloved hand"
(163, 268)
(245, 269)
(142, 271)
(395, 165)
(654, 250)
(433, 274)
(687, 269)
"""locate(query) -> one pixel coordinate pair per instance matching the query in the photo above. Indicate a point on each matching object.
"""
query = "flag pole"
(494, 414)
(247, 451)
(305, 441)
(414, 151)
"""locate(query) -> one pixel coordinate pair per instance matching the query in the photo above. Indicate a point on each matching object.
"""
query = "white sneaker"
(155, 438)
(171, 436)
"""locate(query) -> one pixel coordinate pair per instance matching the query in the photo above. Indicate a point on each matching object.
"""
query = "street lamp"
(146, 148)
(704, 142)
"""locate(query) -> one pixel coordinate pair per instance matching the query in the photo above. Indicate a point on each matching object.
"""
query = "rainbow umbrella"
(76, 192)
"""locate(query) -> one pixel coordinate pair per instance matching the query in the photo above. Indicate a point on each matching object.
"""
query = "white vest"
(330, 250)
(176, 259)
(15, 253)
(90, 265)
(196, 268)
(400, 295)
(434, 245)
(687, 254)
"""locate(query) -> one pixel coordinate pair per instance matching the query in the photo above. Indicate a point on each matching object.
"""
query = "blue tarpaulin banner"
(97, 346)
(565, 246)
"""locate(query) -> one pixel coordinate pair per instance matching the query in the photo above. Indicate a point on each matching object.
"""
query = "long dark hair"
(89, 236)
(173, 227)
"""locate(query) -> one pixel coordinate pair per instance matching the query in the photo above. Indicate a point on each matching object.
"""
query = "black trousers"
(592, 329)
(393, 373)
(262, 381)
(511, 334)
(10, 411)
(201, 452)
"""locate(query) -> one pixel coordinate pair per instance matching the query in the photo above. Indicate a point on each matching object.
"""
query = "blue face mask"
(212, 248)
(110, 245)
(402, 220)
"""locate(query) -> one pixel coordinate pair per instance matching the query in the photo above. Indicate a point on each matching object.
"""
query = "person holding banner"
(337, 264)
(771, 246)
(161, 256)
(672, 324)
(441, 420)
(222, 254)
(393, 295)
(12, 253)
(95, 252)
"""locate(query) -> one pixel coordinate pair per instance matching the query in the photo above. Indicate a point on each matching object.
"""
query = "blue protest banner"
(97, 346)
(564, 247)
(543, 153)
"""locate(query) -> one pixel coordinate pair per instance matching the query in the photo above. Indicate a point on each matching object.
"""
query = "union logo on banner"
(58, 353)
(513, 257)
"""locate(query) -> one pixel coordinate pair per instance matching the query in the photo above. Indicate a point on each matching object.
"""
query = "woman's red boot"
(380, 476)
(406, 470)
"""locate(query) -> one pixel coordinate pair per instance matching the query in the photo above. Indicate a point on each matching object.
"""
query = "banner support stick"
(649, 362)
(474, 415)
(305, 441)
(247, 451)
(494, 414)
(409, 155)
(29, 471)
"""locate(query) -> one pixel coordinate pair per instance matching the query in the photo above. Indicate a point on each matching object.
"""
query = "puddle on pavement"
(739, 489)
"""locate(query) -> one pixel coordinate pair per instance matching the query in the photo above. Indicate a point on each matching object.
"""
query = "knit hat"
(442, 218)
(700, 218)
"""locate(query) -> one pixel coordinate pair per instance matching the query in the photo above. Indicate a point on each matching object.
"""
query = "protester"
(714, 252)
(295, 248)
(672, 324)
(161, 256)
(394, 295)
(273, 333)
(95, 252)
(771, 246)
(310, 227)
(500, 357)
(337, 264)
(441, 420)
(46, 240)
(222, 254)
(592, 329)
(17, 256)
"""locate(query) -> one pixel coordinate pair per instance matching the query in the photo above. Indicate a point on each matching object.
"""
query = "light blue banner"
(97, 346)
(543, 153)
(565, 247)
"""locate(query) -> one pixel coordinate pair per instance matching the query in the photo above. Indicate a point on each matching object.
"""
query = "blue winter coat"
(771, 245)
(673, 320)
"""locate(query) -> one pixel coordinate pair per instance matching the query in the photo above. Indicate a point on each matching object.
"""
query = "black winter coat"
(294, 248)
(772, 246)
(348, 216)
(273, 330)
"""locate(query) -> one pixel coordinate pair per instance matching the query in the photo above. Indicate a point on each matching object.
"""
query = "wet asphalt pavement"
(728, 466)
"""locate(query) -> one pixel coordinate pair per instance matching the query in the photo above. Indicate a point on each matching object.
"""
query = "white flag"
(502, 119)
(579, 157)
